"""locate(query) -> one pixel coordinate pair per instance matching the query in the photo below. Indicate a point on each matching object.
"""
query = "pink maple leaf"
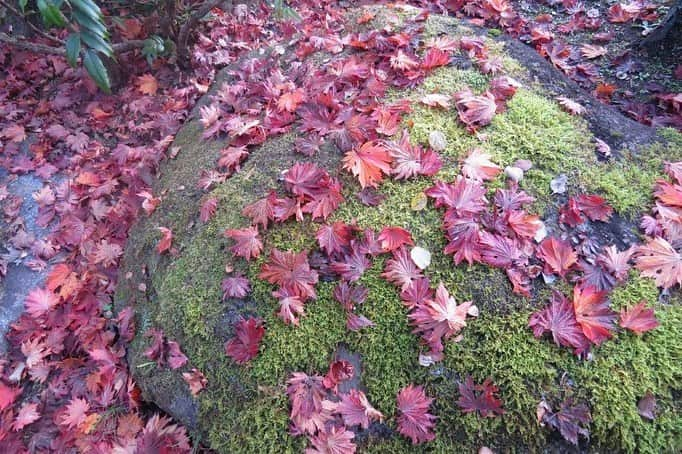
(414, 419)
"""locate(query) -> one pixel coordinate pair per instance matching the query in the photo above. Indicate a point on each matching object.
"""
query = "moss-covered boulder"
(245, 408)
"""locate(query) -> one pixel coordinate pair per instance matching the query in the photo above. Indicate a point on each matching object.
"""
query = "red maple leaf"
(392, 238)
(368, 163)
(657, 259)
(176, 358)
(356, 322)
(75, 413)
(558, 255)
(291, 270)
(164, 243)
(208, 209)
(569, 420)
(593, 314)
(570, 213)
(304, 179)
(463, 236)
(40, 301)
(594, 207)
(417, 293)
(479, 398)
(335, 440)
(439, 318)
(559, 319)
(290, 306)
(350, 296)
(235, 287)
(195, 380)
(306, 394)
(401, 270)
(478, 166)
(475, 111)
(523, 224)
(351, 266)
(414, 419)
(412, 160)
(638, 318)
(466, 197)
(434, 58)
(261, 211)
(289, 101)
(28, 414)
(232, 157)
(339, 371)
(668, 193)
(355, 410)
(244, 346)
(247, 243)
(499, 251)
(333, 238)
(616, 262)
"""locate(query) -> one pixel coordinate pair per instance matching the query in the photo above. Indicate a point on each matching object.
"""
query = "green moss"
(636, 289)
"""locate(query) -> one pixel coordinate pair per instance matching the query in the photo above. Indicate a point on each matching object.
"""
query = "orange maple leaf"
(368, 162)
(147, 84)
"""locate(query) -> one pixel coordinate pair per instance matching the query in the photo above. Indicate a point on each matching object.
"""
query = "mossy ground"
(244, 408)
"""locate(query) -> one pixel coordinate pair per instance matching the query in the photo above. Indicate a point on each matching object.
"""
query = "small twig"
(43, 49)
(33, 27)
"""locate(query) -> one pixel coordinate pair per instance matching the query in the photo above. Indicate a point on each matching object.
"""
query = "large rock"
(245, 409)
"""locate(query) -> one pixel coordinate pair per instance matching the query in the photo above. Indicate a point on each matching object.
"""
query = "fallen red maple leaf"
(558, 255)
(244, 346)
(479, 398)
(657, 259)
(392, 238)
(247, 243)
(400, 269)
(414, 419)
(559, 319)
(593, 314)
(208, 209)
(195, 380)
(164, 243)
(368, 163)
(306, 395)
(291, 270)
(639, 319)
(356, 410)
(478, 166)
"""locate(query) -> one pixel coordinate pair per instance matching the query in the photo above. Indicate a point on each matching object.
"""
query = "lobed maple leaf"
(616, 262)
(348, 296)
(639, 319)
(593, 314)
(401, 270)
(290, 306)
(176, 359)
(75, 413)
(336, 440)
(559, 319)
(40, 301)
(440, 318)
(569, 420)
(291, 270)
(231, 158)
(368, 163)
(479, 398)
(306, 394)
(356, 410)
(414, 419)
(289, 101)
(392, 238)
(657, 259)
(412, 160)
(247, 243)
(261, 211)
(499, 251)
(435, 57)
(339, 371)
(351, 266)
(570, 213)
(107, 253)
(235, 286)
(436, 100)
(478, 166)
(244, 346)
(668, 193)
(333, 238)
(164, 243)
(466, 197)
(147, 84)
(195, 380)
(208, 209)
(463, 237)
(475, 111)
(28, 414)
(594, 207)
(356, 322)
(523, 224)
(558, 255)
(417, 293)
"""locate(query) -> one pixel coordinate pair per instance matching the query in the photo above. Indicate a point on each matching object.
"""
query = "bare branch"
(43, 49)
(33, 27)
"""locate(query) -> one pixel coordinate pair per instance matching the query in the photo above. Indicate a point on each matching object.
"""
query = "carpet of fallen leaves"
(64, 383)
